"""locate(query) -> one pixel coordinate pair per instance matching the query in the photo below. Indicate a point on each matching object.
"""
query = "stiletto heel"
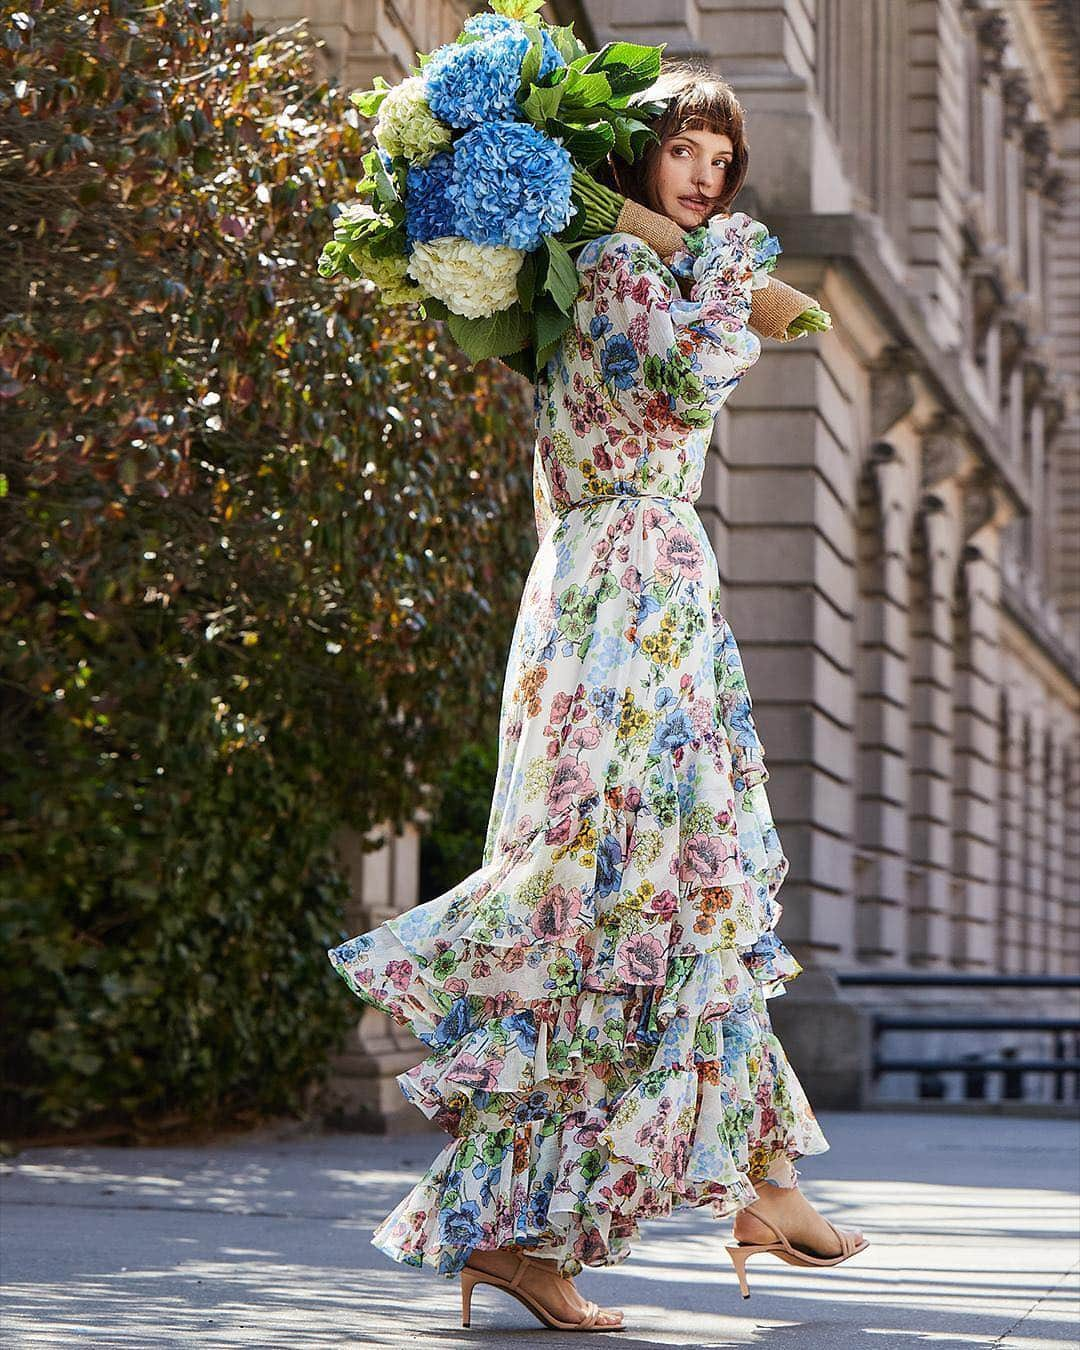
(738, 1260)
(792, 1253)
(468, 1282)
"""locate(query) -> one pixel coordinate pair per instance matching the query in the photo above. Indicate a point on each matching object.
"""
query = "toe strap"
(592, 1313)
(847, 1239)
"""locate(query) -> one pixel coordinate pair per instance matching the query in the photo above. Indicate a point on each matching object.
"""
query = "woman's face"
(690, 175)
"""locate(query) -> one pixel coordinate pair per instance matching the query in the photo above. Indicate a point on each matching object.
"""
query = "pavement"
(263, 1240)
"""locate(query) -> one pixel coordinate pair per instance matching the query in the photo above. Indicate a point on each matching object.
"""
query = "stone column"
(882, 683)
(947, 460)
(1011, 785)
(976, 831)
(1071, 852)
(1035, 908)
(363, 1093)
(936, 152)
(1057, 881)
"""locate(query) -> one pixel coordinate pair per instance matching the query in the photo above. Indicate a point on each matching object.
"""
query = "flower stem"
(602, 206)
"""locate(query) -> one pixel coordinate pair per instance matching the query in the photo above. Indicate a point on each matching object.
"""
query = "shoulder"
(622, 252)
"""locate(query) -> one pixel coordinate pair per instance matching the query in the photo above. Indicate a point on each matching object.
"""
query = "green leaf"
(567, 43)
(526, 282)
(549, 325)
(506, 331)
(584, 91)
(385, 186)
(530, 63)
(521, 363)
(639, 139)
(369, 101)
(585, 144)
(572, 231)
(434, 309)
(628, 65)
(561, 281)
(542, 103)
(517, 9)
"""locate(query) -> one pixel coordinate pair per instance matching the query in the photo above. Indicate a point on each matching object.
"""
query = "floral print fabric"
(594, 995)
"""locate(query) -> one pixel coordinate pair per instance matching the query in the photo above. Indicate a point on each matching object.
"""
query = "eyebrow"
(681, 136)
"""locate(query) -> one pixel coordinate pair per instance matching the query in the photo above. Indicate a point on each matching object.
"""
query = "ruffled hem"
(576, 1184)
(575, 1118)
(489, 1053)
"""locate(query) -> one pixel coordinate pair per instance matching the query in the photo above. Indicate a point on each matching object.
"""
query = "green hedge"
(263, 547)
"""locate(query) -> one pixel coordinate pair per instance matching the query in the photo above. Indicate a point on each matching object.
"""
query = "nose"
(707, 184)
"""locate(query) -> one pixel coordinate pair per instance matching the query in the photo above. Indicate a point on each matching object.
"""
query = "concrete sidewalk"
(264, 1241)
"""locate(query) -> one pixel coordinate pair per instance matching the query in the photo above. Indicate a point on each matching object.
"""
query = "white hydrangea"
(474, 280)
(407, 126)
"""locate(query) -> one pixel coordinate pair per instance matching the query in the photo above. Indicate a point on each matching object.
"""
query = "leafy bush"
(453, 845)
(263, 544)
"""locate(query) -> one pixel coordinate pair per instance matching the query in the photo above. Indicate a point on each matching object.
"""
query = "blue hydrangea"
(490, 24)
(476, 82)
(511, 185)
(429, 211)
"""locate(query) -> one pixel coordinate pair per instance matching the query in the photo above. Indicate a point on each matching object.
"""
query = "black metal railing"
(974, 1065)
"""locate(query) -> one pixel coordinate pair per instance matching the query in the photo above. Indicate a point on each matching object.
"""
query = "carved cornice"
(988, 297)
(992, 32)
(1036, 377)
(892, 393)
(1036, 153)
(1014, 337)
(1055, 190)
(947, 452)
(1016, 93)
(984, 504)
(1055, 405)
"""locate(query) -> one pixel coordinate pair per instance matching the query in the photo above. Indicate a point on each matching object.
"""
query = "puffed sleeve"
(662, 357)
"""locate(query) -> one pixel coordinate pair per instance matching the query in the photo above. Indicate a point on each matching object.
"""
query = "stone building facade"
(895, 505)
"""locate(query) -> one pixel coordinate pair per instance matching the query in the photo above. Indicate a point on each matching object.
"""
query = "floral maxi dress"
(594, 995)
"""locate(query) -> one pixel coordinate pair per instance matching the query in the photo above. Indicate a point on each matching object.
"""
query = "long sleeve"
(773, 307)
(662, 357)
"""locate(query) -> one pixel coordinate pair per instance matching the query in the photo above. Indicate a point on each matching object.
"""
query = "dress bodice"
(626, 405)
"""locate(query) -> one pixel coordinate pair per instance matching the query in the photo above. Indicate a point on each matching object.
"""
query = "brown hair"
(696, 98)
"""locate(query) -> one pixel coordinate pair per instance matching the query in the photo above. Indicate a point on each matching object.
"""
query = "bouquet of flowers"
(478, 189)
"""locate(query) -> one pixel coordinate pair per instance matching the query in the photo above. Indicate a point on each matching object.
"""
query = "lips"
(696, 202)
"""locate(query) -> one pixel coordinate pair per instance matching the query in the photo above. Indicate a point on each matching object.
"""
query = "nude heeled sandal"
(794, 1255)
(471, 1277)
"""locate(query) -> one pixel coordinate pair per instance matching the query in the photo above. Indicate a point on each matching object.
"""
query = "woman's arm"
(773, 308)
(671, 362)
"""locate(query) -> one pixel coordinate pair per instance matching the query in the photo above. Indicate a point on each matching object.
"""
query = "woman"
(594, 995)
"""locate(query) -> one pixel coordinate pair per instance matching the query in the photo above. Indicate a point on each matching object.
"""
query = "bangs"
(702, 108)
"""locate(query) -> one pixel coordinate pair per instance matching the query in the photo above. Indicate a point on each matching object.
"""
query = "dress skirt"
(594, 996)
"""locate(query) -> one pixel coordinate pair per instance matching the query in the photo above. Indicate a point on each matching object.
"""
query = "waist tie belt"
(623, 497)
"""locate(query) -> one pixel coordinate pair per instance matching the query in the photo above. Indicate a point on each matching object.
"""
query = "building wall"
(895, 505)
